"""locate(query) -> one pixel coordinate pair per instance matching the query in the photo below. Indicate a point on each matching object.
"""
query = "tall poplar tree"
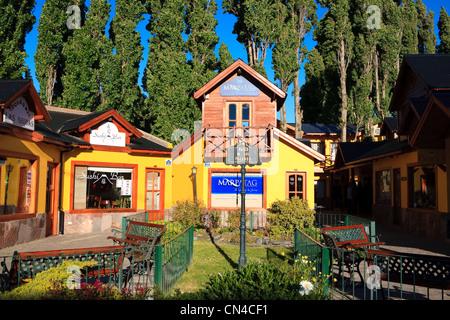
(427, 38)
(121, 89)
(169, 105)
(336, 38)
(16, 21)
(87, 58)
(53, 34)
(202, 40)
(444, 32)
(256, 27)
(225, 57)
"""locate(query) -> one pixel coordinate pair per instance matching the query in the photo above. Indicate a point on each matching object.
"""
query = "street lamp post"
(244, 155)
(243, 227)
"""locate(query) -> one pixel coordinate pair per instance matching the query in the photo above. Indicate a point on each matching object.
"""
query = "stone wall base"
(23, 230)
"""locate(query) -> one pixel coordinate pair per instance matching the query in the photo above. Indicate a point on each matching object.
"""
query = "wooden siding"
(263, 108)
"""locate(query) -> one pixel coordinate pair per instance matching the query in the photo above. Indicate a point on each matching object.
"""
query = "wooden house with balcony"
(240, 106)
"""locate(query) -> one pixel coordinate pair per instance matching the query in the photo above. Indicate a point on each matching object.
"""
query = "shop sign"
(108, 135)
(19, 114)
(238, 86)
(229, 184)
(242, 154)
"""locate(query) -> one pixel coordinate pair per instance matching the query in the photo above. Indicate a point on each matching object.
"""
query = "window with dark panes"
(422, 187)
(296, 185)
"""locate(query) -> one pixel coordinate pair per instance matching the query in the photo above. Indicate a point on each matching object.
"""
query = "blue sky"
(224, 31)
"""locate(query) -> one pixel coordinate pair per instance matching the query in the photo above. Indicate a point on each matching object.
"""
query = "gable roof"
(66, 121)
(434, 69)
(325, 128)
(12, 89)
(357, 152)
(86, 122)
(429, 70)
(247, 70)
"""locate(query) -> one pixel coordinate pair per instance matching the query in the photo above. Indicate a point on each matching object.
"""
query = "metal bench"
(25, 265)
(138, 233)
(351, 236)
(344, 257)
(428, 271)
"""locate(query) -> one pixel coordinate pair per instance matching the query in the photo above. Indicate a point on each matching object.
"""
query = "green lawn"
(212, 258)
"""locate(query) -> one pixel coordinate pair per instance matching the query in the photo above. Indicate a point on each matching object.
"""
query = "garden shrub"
(262, 281)
(234, 219)
(284, 216)
(189, 213)
(52, 285)
(39, 286)
(195, 213)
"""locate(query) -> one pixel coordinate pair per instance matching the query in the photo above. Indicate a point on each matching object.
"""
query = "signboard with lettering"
(242, 154)
(108, 135)
(19, 114)
(226, 190)
(238, 86)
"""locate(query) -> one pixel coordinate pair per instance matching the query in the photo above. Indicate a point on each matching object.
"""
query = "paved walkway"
(394, 239)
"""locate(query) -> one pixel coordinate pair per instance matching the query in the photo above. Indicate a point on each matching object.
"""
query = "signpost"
(242, 154)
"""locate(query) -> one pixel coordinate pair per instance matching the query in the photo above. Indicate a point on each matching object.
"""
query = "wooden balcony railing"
(217, 139)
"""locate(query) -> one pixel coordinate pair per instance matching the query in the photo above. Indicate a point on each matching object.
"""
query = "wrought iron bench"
(26, 265)
(141, 258)
(138, 233)
(351, 236)
(428, 271)
(343, 255)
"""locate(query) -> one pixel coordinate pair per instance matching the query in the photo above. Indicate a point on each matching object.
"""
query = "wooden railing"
(218, 139)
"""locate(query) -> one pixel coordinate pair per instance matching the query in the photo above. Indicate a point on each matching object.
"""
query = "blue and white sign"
(232, 185)
(238, 86)
(226, 190)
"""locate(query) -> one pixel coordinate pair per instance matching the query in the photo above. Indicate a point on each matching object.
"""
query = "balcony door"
(239, 114)
(239, 120)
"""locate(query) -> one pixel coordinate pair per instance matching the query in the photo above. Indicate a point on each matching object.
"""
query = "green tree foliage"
(444, 32)
(121, 88)
(335, 40)
(87, 58)
(225, 58)
(201, 28)
(296, 18)
(167, 79)
(53, 34)
(358, 62)
(256, 28)
(16, 21)
(427, 38)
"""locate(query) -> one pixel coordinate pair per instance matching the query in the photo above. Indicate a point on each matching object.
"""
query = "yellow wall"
(285, 159)
(402, 161)
(44, 152)
(390, 163)
(143, 162)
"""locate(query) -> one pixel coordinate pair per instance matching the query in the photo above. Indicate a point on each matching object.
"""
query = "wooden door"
(22, 198)
(397, 196)
(50, 205)
(154, 194)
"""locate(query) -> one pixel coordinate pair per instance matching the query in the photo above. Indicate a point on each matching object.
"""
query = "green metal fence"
(376, 274)
(339, 219)
(172, 257)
